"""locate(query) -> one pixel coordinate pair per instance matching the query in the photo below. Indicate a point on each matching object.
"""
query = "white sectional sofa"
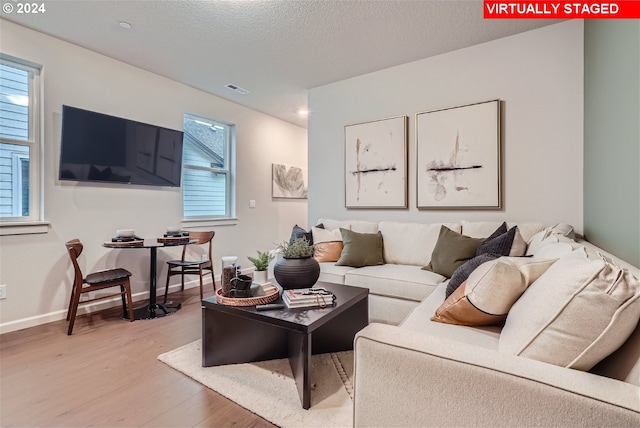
(411, 371)
(397, 287)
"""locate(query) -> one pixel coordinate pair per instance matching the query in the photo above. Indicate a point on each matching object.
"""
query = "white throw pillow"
(325, 235)
(574, 315)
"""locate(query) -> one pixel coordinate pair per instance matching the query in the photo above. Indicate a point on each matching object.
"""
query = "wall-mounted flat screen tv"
(102, 148)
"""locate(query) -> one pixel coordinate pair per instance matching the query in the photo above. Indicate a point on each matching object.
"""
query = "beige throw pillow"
(575, 314)
(487, 295)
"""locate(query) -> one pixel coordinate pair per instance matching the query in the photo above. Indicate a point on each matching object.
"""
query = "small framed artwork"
(376, 164)
(288, 182)
(458, 157)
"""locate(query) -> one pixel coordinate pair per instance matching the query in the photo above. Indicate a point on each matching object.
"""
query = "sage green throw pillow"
(360, 249)
(452, 250)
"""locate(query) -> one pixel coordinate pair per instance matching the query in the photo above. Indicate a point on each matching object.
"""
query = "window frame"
(34, 222)
(229, 169)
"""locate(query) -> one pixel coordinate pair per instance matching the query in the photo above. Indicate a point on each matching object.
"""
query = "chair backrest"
(200, 238)
(75, 247)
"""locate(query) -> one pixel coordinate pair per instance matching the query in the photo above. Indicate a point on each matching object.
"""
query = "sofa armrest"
(406, 378)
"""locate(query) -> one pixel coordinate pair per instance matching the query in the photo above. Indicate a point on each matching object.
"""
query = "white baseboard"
(99, 305)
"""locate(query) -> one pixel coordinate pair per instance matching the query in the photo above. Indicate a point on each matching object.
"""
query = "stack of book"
(308, 298)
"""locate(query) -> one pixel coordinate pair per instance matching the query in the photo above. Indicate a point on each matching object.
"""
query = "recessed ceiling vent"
(236, 88)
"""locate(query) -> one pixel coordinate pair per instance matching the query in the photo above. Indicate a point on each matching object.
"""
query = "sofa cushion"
(487, 295)
(452, 250)
(462, 273)
(361, 249)
(400, 281)
(546, 245)
(482, 229)
(329, 272)
(575, 314)
(389, 310)
(411, 243)
(361, 226)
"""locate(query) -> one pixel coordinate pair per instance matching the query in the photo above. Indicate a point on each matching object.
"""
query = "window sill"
(192, 224)
(23, 228)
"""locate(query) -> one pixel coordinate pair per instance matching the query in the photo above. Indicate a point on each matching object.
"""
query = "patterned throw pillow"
(462, 273)
(486, 297)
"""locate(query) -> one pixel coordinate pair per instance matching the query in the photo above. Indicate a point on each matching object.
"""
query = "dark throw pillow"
(451, 251)
(505, 244)
(501, 230)
(462, 273)
(360, 249)
(298, 232)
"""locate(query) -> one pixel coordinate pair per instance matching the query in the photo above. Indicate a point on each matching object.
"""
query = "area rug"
(268, 389)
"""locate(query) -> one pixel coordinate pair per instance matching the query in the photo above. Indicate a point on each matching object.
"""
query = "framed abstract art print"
(458, 157)
(376, 164)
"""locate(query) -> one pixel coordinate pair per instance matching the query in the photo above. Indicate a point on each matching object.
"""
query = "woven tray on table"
(271, 294)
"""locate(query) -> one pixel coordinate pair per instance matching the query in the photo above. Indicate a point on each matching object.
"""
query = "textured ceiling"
(276, 49)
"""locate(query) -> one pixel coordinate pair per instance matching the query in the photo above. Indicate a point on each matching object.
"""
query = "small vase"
(260, 276)
(296, 273)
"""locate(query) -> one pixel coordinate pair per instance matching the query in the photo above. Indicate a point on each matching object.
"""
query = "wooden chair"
(96, 281)
(184, 267)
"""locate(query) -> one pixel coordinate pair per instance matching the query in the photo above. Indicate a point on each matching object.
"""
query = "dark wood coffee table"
(240, 334)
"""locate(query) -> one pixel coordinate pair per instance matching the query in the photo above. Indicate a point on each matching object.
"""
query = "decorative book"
(308, 298)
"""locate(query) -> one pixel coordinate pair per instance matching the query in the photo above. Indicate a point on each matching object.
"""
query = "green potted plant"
(261, 263)
(297, 268)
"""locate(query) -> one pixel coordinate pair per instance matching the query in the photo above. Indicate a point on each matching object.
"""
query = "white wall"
(539, 77)
(36, 268)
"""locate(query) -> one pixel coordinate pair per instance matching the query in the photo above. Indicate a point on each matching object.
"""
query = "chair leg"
(73, 292)
(73, 310)
(201, 285)
(213, 281)
(127, 288)
(166, 287)
(124, 301)
(182, 278)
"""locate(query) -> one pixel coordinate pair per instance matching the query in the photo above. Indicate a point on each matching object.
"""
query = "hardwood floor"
(107, 375)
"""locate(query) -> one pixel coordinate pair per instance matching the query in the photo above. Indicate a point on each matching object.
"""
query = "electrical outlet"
(3, 291)
(252, 203)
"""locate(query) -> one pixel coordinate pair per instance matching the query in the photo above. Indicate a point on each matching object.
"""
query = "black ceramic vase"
(296, 273)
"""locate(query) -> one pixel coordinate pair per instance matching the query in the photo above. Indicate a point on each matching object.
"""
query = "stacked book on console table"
(308, 298)
(178, 238)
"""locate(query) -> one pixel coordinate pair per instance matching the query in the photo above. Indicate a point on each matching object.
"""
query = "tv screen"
(103, 148)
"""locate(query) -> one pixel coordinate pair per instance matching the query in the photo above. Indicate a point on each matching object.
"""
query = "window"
(207, 169)
(19, 141)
